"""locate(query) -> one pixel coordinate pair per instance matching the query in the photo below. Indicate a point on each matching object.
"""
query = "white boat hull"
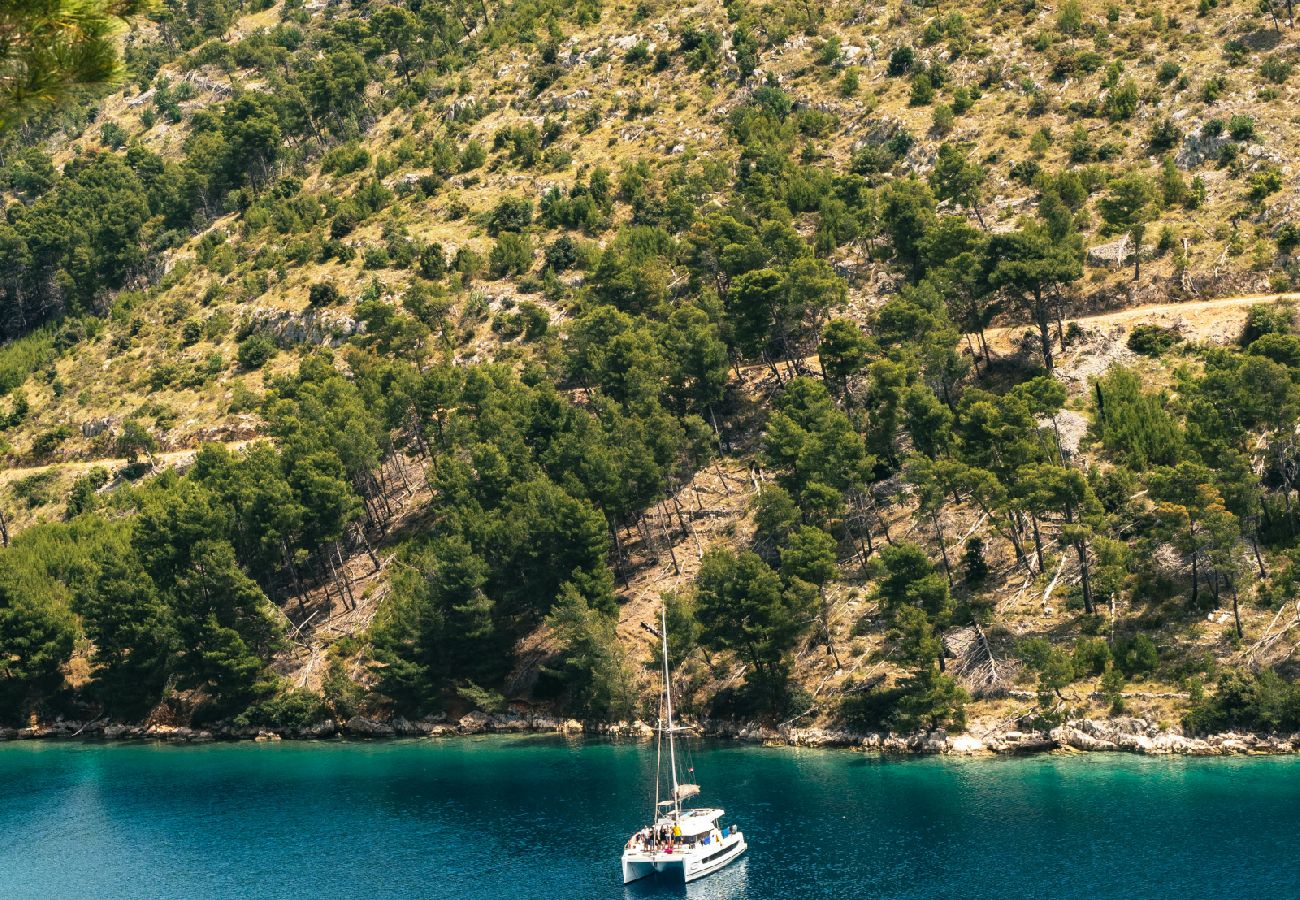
(687, 866)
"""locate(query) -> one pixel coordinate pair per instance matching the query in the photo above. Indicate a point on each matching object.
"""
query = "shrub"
(1152, 340)
(1258, 702)
(1112, 688)
(901, 61)
(922, 89)
(1241, 128)
(561, 254)
(291, 710)
(1122, 100)
(1091, 656)
(943, 119)
(1263, 183)
(432, 261)
(975, 567)
(473, 156)
(256, 350)
(1276, 69)
(1165, 135)
(323, 293)
(1136, 655)
(351, 157)
(1262, 319)
(510, 214)
(512, 255)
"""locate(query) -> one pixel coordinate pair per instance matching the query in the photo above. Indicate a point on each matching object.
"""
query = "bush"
(1136, 655)
(1122, 100)
(1213, 89)
(1241, 128)
(1165, 135)
(351, 157)
(1152, 340)
(943, 119)
(975, 567)
(561, 254)
(1266, 181)
(256, 350)
(922, 89)
(901, 61)
(1256, 702)
(512, 255)
(1112, 688)
(930, 699)
(1266, 318)
(510, 214)
(472, 157)
(323, 293)
(1091, 656)
(1276, 69)
(432, 261)
(870, 710)
(291, 710)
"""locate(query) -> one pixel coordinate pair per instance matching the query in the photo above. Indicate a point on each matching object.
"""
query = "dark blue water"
(545, 818)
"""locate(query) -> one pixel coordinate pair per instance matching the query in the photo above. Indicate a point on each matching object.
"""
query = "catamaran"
(680, 842)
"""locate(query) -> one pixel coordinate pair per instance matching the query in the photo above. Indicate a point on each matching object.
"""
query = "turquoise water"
(546, 818)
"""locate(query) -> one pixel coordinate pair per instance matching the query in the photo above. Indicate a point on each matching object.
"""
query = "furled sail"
(686, 790)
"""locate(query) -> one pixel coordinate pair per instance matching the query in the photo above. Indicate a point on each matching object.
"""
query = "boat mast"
(659, 757)
(668, 705)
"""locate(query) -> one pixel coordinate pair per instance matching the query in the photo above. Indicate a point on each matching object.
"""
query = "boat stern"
(635, 869)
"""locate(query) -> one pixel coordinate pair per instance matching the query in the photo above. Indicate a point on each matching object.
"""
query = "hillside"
(397, 359)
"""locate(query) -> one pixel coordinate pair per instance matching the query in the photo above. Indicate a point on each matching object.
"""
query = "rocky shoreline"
(1122, 735)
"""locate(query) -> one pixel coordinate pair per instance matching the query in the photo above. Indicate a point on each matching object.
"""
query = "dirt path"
(1197, 320)
(166, 460)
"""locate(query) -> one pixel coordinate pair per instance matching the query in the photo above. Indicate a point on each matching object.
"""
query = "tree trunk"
(1195, 581)
(1081, 547)
(943, 547)
(1236, 610)
(1038, 542)
(826, 627)
(1044, 323)
(293, 573)
(1254, 545)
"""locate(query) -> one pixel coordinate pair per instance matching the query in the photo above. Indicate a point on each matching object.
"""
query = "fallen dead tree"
(975, 665)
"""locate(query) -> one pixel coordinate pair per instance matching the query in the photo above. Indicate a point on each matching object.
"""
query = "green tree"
(1193, 517)
(809, 556)
(52, 51)
(907, 213)
(134, 636)
(844, 352)
(820, 455)
(742, 605)
(1130, 203)
(959, 180)
(1033, 268)
(597, 680)
(36, 638)
(1048, 488)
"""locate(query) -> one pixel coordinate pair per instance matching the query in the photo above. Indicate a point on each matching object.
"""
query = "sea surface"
(546, 817)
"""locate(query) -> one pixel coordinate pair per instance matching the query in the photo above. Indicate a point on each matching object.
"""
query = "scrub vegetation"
(396, 358)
